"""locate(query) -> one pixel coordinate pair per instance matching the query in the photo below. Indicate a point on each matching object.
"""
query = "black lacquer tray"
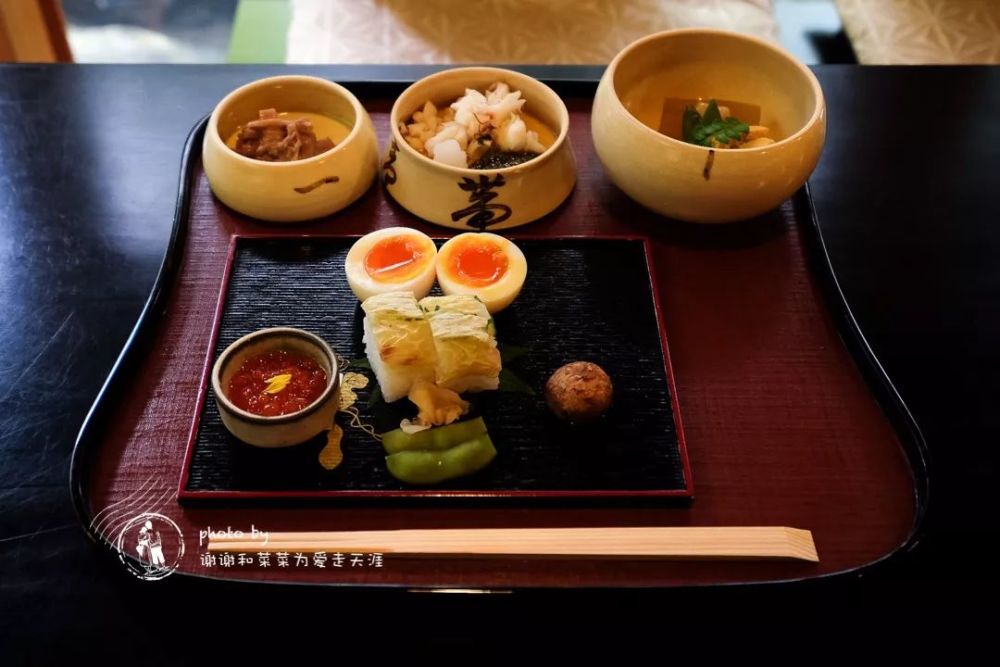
(585, 299)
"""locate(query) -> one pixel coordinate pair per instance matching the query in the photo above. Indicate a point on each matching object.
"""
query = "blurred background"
(495, 31)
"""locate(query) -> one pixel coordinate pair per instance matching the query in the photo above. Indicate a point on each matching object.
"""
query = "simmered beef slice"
(274, 139)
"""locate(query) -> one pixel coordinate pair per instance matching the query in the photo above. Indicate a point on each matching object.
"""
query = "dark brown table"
(907, 208)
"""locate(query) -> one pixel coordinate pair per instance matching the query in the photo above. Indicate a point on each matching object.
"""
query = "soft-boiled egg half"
(395, 259)
(484, 265)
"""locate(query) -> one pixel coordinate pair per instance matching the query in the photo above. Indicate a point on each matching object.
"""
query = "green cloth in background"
(260, 31)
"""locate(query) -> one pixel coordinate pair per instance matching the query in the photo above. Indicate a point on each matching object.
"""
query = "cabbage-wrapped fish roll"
(398, 342)
(465, 341)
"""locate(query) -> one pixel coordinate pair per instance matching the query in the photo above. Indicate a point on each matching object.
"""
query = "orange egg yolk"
(396, 258)
(478, 262)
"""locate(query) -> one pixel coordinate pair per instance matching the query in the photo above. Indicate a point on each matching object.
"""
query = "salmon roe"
(396, 258)
(478, 262)
(247, 386)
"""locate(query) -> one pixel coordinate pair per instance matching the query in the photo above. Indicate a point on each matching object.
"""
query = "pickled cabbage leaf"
(463, 337)
(399, 329)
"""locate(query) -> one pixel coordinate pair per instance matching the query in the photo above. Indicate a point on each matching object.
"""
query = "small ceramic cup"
(300, 189)
(283, 430)
(690, 182)
(479, 199)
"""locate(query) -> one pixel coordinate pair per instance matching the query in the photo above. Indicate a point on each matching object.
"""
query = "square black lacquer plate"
(584, 299)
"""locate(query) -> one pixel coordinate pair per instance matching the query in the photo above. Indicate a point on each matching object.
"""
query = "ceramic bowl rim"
(333, 380)
(212, 132)
(498, 72)
(818, 108)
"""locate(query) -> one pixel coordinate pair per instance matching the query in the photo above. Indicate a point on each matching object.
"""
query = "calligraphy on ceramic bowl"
(517, 169)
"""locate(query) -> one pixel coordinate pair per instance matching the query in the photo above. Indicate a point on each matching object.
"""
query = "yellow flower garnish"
(277, 383)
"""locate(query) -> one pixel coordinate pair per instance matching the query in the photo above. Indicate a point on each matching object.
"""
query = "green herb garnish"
(711, 129)
(510, 353)
(512, 384)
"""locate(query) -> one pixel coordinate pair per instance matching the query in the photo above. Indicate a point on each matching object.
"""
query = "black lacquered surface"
(634, 447)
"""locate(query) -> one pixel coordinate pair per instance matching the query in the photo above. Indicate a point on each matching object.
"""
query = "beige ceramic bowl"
(480, 199)
(691, 182)
(284, 430)
(301, 189)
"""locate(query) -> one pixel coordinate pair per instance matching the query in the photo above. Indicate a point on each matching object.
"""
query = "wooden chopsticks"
(751, 542)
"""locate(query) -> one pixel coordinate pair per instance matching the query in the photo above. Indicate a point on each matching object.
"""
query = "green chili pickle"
(430, 467)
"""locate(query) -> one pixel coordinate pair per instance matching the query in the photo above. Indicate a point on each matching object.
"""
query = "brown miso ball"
(579, 392)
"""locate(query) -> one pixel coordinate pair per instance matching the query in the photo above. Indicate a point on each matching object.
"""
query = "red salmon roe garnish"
(247, 386)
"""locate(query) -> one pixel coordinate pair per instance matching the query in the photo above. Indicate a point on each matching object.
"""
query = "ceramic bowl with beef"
(289, 148)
